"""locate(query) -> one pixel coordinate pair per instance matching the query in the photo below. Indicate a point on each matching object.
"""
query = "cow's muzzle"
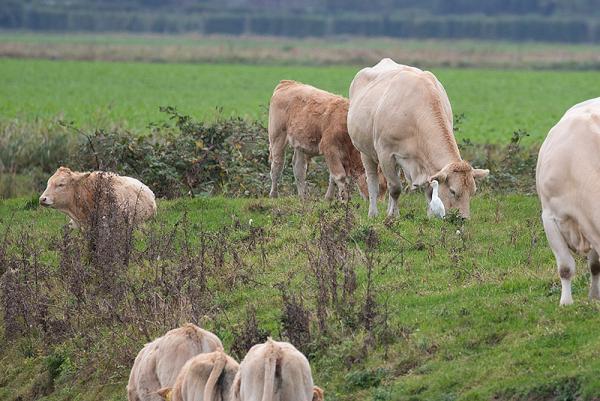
(44, 201)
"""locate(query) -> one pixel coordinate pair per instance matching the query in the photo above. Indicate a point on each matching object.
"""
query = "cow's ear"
(480, 173)
(439, 177)
(83, 176)
(318, 394)
(165, 393)
(64, 169)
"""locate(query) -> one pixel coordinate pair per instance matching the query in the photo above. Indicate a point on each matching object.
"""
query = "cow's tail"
(277, 132)
(215, 373)
(272, 356)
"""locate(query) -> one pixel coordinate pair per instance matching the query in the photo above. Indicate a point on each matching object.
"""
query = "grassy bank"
(440, 310)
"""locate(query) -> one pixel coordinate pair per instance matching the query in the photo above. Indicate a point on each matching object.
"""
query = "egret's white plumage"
(436, 205)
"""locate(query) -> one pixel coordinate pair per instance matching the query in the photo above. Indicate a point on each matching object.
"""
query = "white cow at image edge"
(567, 181)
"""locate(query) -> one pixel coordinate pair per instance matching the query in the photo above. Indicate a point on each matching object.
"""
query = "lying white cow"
(400, 118)
(567, 174)
(205, 377)
(74, 194)
(275, 371)
(159, 362)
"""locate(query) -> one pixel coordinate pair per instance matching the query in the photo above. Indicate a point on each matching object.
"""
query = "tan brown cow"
(275, 371)
(400, 119)
(75, 193)
(313, 122)
(159, 362)
(567, 174)
(205, 377)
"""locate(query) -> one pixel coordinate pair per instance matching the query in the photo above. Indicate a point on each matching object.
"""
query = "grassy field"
(472, 315)
(440, 310)
(97, 94)
(310, 51)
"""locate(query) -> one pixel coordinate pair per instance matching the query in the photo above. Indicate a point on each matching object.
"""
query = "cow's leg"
(300, 163)
(594, 264)
(372, 183)
(564, 259)
(337, 172)
(330, 188)
(389, 166)
(277, 156)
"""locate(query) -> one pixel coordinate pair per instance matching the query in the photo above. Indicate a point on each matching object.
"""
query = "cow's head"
(457, 185)
(60, 191)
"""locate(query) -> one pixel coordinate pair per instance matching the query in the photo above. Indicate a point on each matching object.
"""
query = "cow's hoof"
(565, 302)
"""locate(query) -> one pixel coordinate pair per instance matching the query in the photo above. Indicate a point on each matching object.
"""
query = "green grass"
(475, 324)
(97, 94)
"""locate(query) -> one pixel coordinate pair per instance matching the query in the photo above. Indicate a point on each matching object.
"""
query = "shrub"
(228, 156)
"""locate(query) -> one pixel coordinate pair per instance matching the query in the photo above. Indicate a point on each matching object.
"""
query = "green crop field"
(494, 103)
(471, 315)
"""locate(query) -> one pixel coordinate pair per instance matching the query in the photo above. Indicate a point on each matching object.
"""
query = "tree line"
(538, 20)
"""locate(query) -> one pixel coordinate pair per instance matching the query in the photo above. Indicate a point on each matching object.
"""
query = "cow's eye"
(61, 185)
(453, 192)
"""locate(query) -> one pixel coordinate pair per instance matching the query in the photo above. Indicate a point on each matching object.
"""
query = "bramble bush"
(183, 156)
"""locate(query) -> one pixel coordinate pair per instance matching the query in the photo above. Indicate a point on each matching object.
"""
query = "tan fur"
(73, 194)
(400, 119)
(157, 365)
(568, 187)
(205, 377)
(275, 371)
(313, 122)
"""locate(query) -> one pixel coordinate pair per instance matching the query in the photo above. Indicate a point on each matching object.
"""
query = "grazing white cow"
(400, 119)
(159, 362)
(74, 194)
(567, 180)
(205, 377)
(275, 371)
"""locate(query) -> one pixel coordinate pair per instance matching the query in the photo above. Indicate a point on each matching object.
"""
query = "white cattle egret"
(436, 205)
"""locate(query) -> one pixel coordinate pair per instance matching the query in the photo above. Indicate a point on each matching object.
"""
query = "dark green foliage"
(227, 156)
(512, 167)
(362, 379)
(188, 157)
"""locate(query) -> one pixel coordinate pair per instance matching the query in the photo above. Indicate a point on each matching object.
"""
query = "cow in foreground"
(313, 122)
(275, 371)
(205, 377)
(159, 362)
(76, 195)
(567, 181)
(400, 119)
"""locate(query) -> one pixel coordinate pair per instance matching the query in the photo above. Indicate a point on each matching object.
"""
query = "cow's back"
(296, 377)
(396, 107)
(180, 345)
(567, 174)
(159, 362)
(304, 113)
(135, 197)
